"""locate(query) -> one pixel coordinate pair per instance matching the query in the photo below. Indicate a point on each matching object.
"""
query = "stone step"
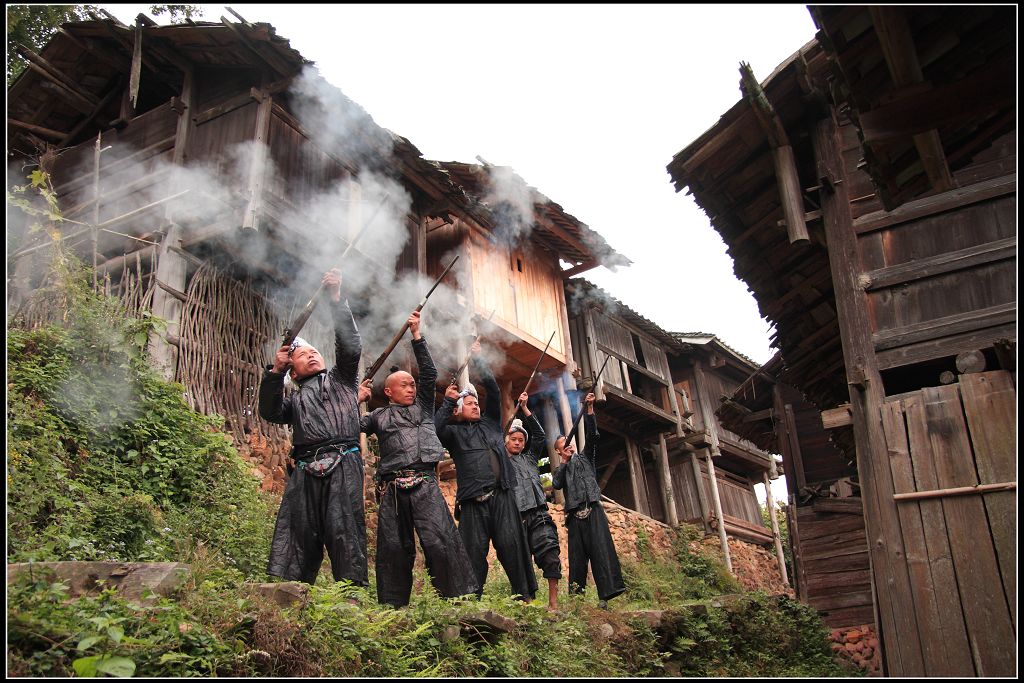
(131, 579)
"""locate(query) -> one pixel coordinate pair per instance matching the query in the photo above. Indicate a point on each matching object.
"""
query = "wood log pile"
(858, 646)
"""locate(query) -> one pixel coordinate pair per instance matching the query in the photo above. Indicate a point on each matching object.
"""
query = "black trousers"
(590, 542)
(497, 521)
(543, 539)
(317, 512)
(424, 511)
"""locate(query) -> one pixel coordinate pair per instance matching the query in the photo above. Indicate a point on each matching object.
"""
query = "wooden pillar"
(258, 163)
(668, 494)
(722, 537)
(549, 420)
(775, 530)
(674, 403)
(702, 496)
(899, 633)
(707, 408)
(567, 415)
(171, 268)
(636, 472)
(97, 151)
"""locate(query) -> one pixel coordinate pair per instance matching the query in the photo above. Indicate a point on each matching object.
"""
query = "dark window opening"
(932, 373)
(638, 350)
(519, 264)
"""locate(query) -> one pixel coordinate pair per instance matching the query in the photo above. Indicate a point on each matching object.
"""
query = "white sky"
(587, 103)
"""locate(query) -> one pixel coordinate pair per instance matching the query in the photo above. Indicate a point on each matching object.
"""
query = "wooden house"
(114, 112)
(658, 392)
(867, 193)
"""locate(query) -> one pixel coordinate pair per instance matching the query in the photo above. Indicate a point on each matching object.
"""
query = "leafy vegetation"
(106, 461)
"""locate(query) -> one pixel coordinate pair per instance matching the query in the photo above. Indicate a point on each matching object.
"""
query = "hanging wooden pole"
(96, 204)
(775, 531)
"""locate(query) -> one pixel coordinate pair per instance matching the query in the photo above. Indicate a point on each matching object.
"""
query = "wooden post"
(635, 474)
(171, 267)
(671, 514)
(722, 538)
(567, 415)
(258, 167)
(775, 530)
(707, 409)
(899, 633)
(790, 193)
(96, 205)
(698, 479)
(550, 422)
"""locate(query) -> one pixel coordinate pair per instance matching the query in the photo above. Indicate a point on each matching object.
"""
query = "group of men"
(499, 499)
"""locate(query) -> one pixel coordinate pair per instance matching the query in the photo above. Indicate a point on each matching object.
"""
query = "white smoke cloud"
(511, 201)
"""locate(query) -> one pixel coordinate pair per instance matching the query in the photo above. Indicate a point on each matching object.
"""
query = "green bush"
(106, 460)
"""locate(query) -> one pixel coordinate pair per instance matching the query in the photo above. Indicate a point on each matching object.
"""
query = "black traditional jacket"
(579, 476)
(529, 492)
(324, 409)
(472, 444)
(407, 433)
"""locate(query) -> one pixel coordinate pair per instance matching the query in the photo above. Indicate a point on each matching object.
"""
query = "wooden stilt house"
(664, 453)
(118, 113)
(867, 193)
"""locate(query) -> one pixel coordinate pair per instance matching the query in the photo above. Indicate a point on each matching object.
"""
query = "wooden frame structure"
(901, 122)
(149, 100)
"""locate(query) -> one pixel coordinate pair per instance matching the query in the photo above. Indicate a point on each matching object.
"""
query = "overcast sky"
(587, 103)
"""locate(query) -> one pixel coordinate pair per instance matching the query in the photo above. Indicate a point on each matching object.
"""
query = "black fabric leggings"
(497, 521)
(543, 539)
(421, 509)
(317, 512)
(590, 542)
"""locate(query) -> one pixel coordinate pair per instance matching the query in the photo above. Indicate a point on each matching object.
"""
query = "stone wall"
(859, 647)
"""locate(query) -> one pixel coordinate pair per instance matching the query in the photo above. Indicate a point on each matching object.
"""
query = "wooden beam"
(56, 75)
(636, 471)
(766, 414)
(40, 130)
(901, 638)
(273, 62)
(81, 125)
(924, 109)
(837, 417)
(776, 536)
(668, 491)
(549, 225)
(50, 85)
(945, 326)
(786, 175)
(719, 517)
(610, 470)
(900, 53)
(579, 268)
(947, 262)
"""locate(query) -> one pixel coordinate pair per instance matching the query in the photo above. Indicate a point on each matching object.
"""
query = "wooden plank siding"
(959, 549)
(834, 567)
(922, 298)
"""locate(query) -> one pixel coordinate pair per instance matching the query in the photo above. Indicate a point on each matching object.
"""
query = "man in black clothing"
(323, 500)
(523, 443)
(485, 500)
(410, 497)
(590, 540)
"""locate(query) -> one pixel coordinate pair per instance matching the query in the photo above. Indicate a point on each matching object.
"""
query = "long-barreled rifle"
(469, 356)
(398, 337)
(583, 409)
(530, 381)
(293, 330)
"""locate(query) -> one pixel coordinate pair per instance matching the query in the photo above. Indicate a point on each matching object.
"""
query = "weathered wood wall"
(961, 549)
(832, 569)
